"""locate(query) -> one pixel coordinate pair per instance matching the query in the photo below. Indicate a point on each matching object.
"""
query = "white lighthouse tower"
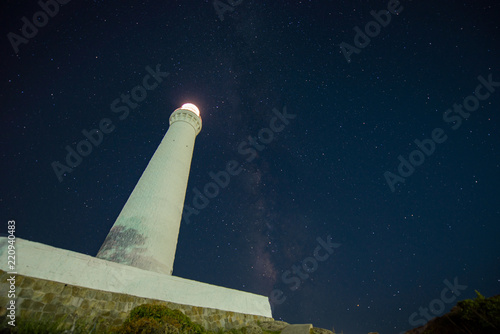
(137, 257)
(145, 233)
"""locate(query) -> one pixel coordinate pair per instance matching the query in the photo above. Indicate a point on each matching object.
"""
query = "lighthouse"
(146, 231)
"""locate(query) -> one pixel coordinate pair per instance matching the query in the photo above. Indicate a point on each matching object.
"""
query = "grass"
(47, 326)
(28, 326)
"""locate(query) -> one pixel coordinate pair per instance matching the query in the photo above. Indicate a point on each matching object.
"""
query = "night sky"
(397, 239)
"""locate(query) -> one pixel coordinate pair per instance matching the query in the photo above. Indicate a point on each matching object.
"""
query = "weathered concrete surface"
(273, 326)
(317, 330)
(297, 329)
(37, 260)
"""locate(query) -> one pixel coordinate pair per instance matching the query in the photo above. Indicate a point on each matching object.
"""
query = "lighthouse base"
(50, 279)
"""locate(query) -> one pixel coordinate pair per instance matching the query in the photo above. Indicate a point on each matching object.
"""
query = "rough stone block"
(70, 309)
(38, 295)
(129, 306)
(39, 284)
(25, 293)
(65, 300)
(26, 304)
(99, 295)
(27, 282)
(90, 294)
(123, 298)
(76, 301)
(85, 304)
(67, 290)
(50, 308)
(110, 305)
(80, 312)
(114, 314)
(120, 306)
(37, 306)
(100, 304)
(106, 314)
(78, 292)
(54, 287)
(19, 280)
(48, 298)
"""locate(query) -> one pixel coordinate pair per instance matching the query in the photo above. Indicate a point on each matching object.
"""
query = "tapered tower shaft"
(146, 231)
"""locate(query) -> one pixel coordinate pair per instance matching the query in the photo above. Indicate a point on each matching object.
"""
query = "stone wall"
(59, 265)
(44, 299)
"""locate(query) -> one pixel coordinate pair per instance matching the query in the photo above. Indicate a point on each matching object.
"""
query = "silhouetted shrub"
(472, 316)
(153, 319)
